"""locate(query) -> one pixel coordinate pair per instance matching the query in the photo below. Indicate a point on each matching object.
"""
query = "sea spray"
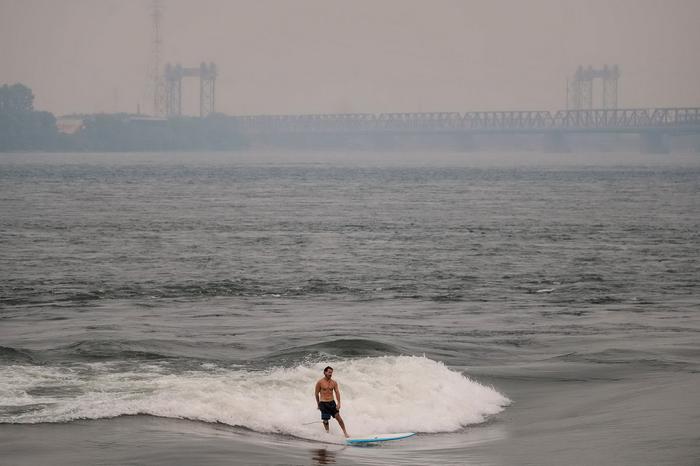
(379, 394)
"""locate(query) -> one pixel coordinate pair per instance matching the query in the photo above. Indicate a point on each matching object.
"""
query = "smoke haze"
(324, 56)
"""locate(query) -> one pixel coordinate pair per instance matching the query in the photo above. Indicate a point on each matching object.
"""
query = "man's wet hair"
(327, 367)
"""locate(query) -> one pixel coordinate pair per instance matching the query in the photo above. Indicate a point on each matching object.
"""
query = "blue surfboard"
(378, 438)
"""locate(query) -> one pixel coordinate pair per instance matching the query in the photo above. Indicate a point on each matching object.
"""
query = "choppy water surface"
(511, 309)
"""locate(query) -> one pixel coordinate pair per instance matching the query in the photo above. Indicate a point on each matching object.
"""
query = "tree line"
(22, 128)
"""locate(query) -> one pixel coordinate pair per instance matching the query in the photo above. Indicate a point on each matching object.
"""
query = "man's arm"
(336, 389)
(317, 390)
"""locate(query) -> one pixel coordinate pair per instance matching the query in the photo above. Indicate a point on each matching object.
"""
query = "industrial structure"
(173, 88)
(157, 86)
(580, 89)
(165, 83)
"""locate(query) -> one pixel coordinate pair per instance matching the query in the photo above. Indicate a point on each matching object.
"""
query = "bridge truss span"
(535, 121)
(630, 119)
(510, 120)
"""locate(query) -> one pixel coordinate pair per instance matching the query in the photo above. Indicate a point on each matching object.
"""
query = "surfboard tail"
(379, 438)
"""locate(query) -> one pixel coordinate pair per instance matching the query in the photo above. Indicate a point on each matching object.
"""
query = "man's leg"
(342, 424)
(325, 425)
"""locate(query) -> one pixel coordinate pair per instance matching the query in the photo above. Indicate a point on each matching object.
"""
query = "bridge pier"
(654, 142)
(556, 142)
(464, 142)
(692, 142)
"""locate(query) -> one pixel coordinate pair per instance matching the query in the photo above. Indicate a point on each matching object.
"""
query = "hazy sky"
(328, 56)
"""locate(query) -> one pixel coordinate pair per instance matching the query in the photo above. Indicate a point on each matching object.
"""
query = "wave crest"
(390, 393)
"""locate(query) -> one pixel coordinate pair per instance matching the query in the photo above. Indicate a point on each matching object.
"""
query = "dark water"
(511, 309)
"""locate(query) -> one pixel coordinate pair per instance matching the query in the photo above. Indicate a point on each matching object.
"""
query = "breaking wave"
(379, 394)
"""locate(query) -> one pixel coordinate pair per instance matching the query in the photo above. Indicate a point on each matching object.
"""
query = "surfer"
(325, 388)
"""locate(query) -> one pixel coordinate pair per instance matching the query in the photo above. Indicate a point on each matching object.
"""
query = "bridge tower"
(207, 89)
(580, 92)
(174, 75)
(173, 90)
(610, 76)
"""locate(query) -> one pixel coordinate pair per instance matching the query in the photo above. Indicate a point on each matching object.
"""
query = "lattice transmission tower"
(157, 85)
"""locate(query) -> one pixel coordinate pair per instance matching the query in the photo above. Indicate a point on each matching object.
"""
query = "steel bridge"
(636, 120)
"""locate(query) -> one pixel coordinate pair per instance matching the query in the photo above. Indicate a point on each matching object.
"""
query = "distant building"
(146, 119)
(69, 124)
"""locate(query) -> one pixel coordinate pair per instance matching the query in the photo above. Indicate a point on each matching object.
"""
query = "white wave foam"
(381, 394)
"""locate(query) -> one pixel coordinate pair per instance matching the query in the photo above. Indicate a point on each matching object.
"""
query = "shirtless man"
(325, 388)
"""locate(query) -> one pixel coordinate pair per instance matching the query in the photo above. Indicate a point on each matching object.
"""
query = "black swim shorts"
(328, 409)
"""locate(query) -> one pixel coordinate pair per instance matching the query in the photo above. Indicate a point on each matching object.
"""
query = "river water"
(176, 309)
